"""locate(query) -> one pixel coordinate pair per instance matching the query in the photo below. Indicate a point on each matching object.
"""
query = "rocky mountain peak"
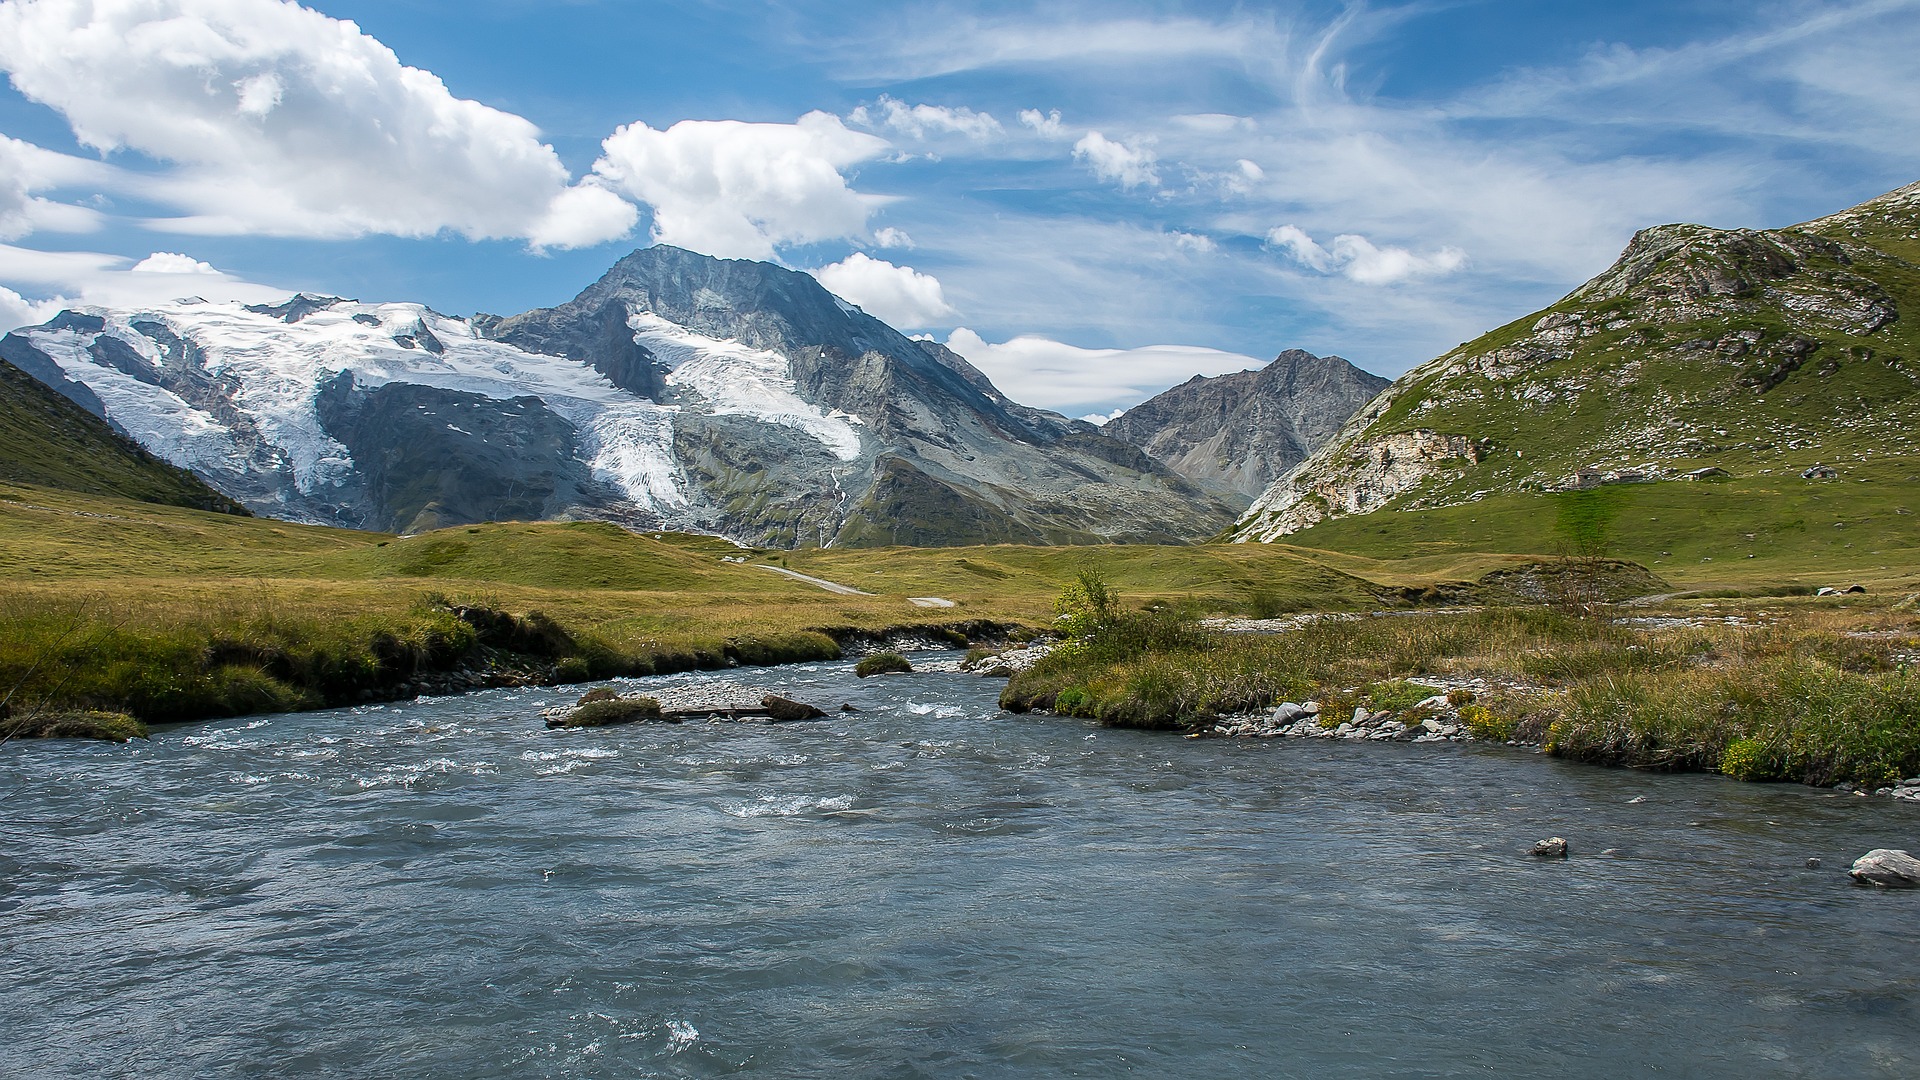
(1235, 434)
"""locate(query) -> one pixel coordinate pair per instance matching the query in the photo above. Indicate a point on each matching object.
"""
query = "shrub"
(572, 669)
(1073, 701)
(1746, 759)
(886, 663)
(598, 693)
(615, 711)
(1484, 724)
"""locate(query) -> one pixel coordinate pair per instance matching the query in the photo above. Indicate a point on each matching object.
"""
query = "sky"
(1090, 201)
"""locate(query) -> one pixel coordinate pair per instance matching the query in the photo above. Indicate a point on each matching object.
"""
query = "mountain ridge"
(677, 391)
(1235, 434)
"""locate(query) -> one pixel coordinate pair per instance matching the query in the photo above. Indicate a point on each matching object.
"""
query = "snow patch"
(732, 379)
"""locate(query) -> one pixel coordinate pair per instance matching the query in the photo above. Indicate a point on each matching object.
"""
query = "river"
(926, 888)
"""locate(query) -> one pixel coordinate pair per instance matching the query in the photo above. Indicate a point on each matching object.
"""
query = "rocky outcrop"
(1355, 479)
(1236, 434)
(1700, 353)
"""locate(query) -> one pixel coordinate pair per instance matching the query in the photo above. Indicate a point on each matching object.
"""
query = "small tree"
(1085, 605)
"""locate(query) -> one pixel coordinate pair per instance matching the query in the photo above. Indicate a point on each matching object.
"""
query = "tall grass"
(1807, 699)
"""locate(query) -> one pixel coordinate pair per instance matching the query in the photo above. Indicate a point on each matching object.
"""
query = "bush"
(598, 693)
(1486, 725)
(572, 669)
(886, 663)
(1746, 759)
(616, 711)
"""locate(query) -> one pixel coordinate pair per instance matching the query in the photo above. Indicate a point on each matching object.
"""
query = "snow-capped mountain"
(679, 391)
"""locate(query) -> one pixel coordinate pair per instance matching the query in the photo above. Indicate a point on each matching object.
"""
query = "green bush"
(617, 711)
(1486, 725)
(886, 663)
(1746, 759)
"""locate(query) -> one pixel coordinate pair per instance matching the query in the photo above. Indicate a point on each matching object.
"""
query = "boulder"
(1287, 712)
(1553, 847)
(1887, 869)
(1711, 472)
(1820, 472)
(786, 710)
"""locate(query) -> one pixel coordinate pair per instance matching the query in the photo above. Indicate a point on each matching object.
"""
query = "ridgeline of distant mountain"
(679, 391)
(1236, 434)
(1769, 358)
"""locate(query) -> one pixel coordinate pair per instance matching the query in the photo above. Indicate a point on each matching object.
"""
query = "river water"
(929, 887)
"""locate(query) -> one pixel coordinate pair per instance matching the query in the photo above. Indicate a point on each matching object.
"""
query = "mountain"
(51, 442)
(679, 391)
(1236, 434)
(1702, 354)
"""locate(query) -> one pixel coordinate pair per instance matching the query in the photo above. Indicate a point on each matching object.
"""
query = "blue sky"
(1092, 201)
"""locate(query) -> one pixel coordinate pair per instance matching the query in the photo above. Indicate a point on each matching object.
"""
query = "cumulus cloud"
(167, 262)
(51, 280)
(1358, 258)
(900, 296)
(1047, 124)
(281, 121)
(17, 311)
(737, 190)
(920, 121)
(891, 237)
(1193, 243)
(1054, 375)
(1116, 162)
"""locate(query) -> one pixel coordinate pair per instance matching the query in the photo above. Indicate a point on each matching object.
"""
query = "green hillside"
(1763, 355)
(49, 441)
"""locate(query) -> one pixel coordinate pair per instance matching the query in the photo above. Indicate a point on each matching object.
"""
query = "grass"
(46, 439)
(608, 712)
(886, 663)
(1815, 694)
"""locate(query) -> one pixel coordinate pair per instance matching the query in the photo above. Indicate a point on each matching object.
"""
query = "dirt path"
(830, 586)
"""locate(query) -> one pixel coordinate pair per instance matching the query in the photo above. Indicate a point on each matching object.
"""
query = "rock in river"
(1551, 848)
(1887, 869)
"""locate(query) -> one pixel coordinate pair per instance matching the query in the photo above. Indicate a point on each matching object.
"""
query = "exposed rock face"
(1236, 434)
(678, 391)
(1701, 352)
(1366, 477)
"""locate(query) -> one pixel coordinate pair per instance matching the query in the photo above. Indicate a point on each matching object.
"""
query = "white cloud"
(17, 311)
(281, 121)
(899, 296)
(1103, 419)
(738, 190)
(1047, 124)
(1193, 243)
(919, 121)
(1054, 375)
(892, 238)
(1357, 258)
(26, 169)
(52, 280)
(167, 262)
(1116, 162)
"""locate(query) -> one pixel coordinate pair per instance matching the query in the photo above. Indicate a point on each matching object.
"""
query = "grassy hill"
(171, 613)
(49, 441)
(1762, 355)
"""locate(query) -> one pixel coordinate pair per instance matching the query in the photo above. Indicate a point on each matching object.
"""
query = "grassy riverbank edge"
(1816, 695)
